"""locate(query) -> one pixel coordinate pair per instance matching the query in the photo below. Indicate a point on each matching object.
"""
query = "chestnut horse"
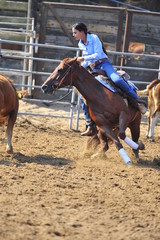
(107, 109)
(9, 104)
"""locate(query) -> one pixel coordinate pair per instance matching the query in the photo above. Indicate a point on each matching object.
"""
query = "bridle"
(68, 71)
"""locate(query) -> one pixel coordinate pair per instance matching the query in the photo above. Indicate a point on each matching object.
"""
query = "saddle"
(105, 78)
(126, 77)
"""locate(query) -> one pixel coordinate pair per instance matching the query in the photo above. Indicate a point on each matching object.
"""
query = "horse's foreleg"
(131, 143)
(108, 132)
(134, 127)
(123, 119)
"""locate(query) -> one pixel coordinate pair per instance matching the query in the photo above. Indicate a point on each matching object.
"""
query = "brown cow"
(136, 47)
(9, 104)
(153, 91)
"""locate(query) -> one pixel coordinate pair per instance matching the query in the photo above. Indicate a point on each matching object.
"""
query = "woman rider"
(94, 53)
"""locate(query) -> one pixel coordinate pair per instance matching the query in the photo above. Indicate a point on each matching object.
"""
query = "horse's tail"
(143, 92)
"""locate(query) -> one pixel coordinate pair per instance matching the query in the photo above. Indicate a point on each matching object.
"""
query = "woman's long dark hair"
(81, 27)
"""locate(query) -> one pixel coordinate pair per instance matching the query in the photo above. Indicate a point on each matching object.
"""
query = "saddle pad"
(105, 84)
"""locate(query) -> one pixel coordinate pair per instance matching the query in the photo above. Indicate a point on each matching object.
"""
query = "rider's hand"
(80, 59)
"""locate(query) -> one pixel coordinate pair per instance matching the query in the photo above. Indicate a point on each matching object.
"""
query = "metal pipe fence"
(30, 72)
(30, 84)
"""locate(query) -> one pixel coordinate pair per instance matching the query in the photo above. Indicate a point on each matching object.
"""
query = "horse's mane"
(68, 60)
(74, 60)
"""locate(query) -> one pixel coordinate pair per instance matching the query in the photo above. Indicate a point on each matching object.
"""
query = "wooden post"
(127, 34)
(39, 66)
(119, 35)
(63, 26)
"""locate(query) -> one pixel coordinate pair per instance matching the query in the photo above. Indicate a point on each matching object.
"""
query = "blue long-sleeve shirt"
(92, 51)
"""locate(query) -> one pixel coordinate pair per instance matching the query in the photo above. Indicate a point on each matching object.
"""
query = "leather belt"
(93, 65)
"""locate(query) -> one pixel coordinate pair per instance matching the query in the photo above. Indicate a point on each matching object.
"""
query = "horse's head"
(61, 76)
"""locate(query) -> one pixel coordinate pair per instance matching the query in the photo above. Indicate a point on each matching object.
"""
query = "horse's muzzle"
(44, 88)
(47, 89)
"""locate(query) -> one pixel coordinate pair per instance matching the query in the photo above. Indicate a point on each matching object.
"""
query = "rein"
(68, 70)
(58, 99)
(64, 75)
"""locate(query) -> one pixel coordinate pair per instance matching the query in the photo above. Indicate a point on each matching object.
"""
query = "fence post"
(72, 107)
(0, 48)
(30, 62)
(128, 25)
(40, 54)
(119, 35)
(78, 111)
(73, 104)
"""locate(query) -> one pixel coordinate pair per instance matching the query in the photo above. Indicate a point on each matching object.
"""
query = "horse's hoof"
(141, 145)
(129, 163)
(151, 139)
(136, 153)
(9, 150)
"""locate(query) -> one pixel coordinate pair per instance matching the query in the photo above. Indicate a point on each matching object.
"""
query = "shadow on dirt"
(149, 164)
(39, 159)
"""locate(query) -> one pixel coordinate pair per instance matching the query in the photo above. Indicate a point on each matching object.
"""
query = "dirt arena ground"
(50, 189)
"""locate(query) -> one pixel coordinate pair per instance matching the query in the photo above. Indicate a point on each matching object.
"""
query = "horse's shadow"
(38, 159)
(149, 164)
